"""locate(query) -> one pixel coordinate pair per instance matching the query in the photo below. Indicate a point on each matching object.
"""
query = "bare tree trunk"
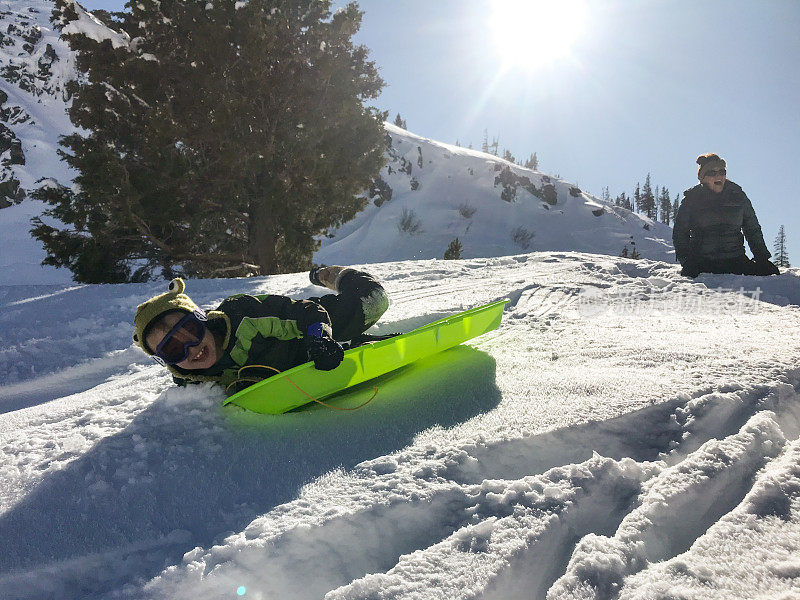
(262, 239)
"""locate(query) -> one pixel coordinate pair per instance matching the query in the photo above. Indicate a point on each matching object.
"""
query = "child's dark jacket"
(256, 330)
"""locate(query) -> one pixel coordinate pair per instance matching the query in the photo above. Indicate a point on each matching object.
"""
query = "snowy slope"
(626, 433)
(36, 65)
(493, 207)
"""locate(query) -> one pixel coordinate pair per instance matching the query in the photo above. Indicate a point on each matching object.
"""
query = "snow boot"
(327, 276)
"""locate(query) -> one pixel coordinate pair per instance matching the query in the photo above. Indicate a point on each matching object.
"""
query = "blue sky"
(646, 87)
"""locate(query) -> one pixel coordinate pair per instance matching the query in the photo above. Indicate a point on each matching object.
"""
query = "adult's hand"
(765, 266)
(690, 268)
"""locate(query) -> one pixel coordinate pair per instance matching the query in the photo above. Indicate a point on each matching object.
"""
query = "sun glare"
(536, 33)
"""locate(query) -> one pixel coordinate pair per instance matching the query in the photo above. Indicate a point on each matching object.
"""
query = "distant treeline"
(654, 204)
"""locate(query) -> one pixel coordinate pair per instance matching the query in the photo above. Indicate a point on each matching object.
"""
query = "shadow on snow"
(187, 471)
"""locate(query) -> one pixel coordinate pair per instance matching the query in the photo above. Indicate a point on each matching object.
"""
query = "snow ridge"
(430, 193)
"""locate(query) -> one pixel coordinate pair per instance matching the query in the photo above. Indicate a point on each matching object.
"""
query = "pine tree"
(222, 140)
(624, 253)
(400, 122)
(781, 258)
(675, 206)
(647, 200)
(532, 162)
(508, 156)
(495, 145)
(453, 251)
(665, 206)
(637, 198)
(485, 143)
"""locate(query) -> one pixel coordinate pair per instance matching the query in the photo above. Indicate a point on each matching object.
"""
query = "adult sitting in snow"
(266, 330)
(707, 233)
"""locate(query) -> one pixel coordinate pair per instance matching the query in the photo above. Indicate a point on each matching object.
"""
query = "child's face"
(202, 356)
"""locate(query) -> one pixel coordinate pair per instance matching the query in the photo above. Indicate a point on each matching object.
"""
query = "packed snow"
(625, 433)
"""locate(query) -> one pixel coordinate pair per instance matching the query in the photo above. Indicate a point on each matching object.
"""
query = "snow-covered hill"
(430, 193)
(427, 195)
(36, 64)
(626, 433)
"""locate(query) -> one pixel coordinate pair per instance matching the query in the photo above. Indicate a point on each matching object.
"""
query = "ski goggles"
(187, 333)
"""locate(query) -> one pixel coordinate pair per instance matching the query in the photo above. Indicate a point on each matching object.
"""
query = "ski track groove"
(678, 433)
(667, 520)
(381, 536)
(675, 528)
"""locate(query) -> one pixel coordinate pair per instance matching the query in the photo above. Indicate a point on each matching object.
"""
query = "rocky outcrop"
(511, 181)
(36, 66)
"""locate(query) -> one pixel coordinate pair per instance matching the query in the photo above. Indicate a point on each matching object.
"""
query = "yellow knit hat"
(146, 312)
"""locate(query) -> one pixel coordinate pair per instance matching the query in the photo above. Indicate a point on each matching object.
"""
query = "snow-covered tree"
(223, 137)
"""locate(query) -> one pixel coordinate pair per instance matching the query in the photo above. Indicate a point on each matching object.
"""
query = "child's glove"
(326, 352)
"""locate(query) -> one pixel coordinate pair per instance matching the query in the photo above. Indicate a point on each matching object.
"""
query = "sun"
(536, 33)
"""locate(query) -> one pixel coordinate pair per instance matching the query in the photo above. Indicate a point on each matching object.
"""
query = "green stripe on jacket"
(266, 327)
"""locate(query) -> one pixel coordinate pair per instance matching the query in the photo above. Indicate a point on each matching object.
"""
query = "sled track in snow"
(432, 291)
(719, 466)
(563, 495)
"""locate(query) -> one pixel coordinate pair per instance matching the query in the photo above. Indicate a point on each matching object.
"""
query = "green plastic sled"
(276, 395)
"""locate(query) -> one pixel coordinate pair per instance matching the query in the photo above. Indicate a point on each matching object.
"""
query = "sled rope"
(239, 379)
